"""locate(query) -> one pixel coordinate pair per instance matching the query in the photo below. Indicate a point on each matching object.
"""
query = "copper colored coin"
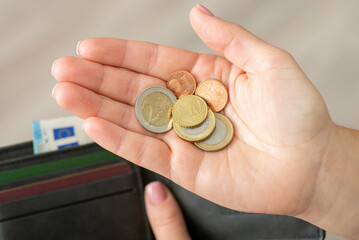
(181, 83)
(214, 93)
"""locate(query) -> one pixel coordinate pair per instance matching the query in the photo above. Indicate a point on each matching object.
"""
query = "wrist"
(335, 203)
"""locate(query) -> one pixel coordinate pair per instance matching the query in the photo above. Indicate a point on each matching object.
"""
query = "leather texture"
(113, 208)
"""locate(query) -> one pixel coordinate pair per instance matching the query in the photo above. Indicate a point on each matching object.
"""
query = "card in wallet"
(86, 192)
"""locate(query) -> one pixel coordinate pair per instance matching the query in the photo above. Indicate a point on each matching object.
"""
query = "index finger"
(143, 57)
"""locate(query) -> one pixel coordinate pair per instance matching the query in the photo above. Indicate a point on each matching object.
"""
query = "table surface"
(322, 35)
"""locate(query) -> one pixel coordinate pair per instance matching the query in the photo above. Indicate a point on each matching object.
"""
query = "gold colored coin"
(189, 111)
(199, 132)
(221, 136)
(155, 108)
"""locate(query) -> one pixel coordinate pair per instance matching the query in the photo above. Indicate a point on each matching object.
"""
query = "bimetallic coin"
(189, 111)
(181, 83)
(221, 136)
(199, 132)
(214, 93)
(152, 109)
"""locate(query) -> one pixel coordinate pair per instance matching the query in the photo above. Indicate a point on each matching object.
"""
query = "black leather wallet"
(87, 192)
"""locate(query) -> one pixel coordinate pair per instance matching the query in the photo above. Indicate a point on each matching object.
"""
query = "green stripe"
(49, 167)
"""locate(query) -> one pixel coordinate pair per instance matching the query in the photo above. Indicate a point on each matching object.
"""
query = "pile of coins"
(193, 117)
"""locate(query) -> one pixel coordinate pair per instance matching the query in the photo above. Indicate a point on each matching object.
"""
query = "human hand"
(282, 126)
(164, 214)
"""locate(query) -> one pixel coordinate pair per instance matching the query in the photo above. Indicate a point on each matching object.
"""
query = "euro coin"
(152, 109)
(199, 132)
(214, 93)
(221, 136)
(181, 83)
(189, 111)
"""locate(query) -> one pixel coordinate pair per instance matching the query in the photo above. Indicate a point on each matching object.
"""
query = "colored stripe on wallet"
(65, 182)
(53, 166)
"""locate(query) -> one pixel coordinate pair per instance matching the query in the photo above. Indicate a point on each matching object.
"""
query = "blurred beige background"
(322, 35)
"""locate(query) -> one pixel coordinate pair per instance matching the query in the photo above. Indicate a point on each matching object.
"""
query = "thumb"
(164, 214)
(239, 46)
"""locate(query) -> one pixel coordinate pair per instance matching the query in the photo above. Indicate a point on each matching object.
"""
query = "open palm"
(282, 126)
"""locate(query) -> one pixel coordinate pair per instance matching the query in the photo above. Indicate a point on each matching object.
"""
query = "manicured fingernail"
(52, 93)
(78, 47)
(156, 192)
(204, 10)
(52, 68)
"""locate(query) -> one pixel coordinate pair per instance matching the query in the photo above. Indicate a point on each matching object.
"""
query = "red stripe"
(65, 182)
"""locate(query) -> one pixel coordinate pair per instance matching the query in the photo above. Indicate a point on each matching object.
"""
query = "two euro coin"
(153, 109)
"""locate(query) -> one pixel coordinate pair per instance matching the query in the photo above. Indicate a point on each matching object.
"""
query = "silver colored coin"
(221, 136)
(139, 109)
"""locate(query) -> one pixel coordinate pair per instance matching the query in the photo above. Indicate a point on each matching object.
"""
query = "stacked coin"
(193, 117)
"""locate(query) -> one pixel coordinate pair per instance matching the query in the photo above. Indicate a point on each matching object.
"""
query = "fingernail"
(52, 68)
(52, 93)
(204, 10)
(156, 192)
(77, 48)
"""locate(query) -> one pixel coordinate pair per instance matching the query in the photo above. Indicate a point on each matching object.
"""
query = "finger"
(85, 103)
(115, 83)
(238, 45)
(164, 214)
(142, 57)
(140, 149)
